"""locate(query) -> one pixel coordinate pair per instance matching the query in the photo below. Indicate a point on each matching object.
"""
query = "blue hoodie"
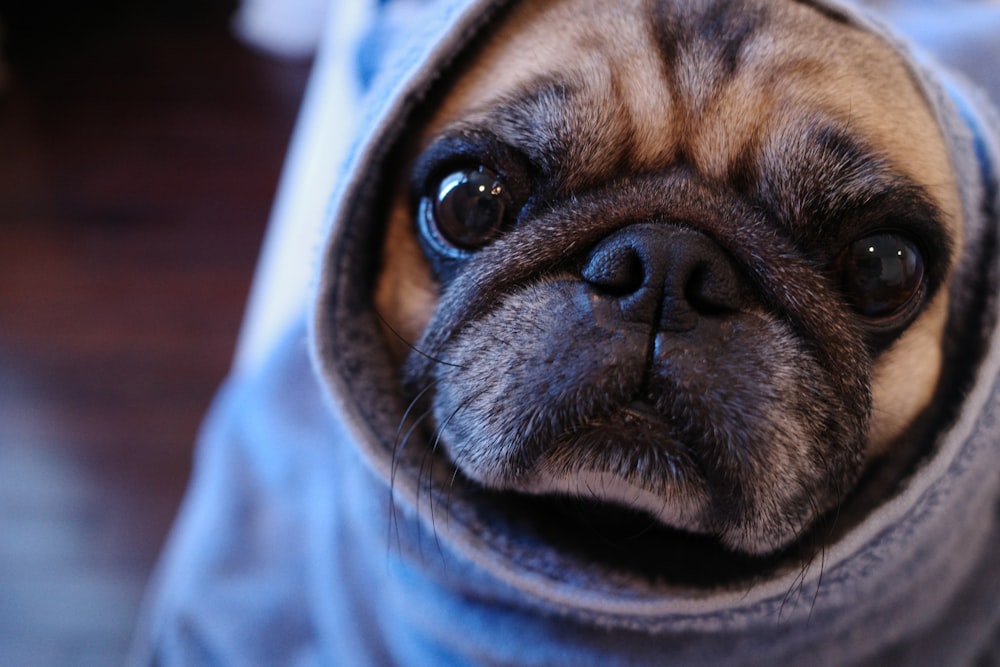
(304, 541)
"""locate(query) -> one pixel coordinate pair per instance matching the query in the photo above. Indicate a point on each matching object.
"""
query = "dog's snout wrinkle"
(664, 275)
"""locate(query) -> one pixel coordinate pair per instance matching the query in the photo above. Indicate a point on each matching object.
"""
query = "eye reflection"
(881, 274)
(469, 208)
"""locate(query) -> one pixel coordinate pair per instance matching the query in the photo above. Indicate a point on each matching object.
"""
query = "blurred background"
(140, 148)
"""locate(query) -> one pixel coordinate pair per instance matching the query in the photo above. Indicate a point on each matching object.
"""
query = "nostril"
(713, 289)
(615, 268)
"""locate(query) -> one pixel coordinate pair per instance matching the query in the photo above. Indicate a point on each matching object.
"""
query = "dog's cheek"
(406, 292)
(781, 435)
(905, 377)
(514, 379)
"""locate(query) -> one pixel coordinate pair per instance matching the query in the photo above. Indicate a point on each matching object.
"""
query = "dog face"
(687, 257)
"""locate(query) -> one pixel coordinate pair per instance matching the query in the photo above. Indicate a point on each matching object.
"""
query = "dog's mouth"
(635, 544)
(633, 456)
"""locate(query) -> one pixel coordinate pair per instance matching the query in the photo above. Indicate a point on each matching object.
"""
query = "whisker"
(412, 346)
(399, 443)
(394, 467)
(819, 580)
(427, 463)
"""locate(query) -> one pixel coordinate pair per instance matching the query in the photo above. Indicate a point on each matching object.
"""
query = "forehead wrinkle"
(702, 46)
(805, 171)
(572, 128)
(820, 180)
(613, 110)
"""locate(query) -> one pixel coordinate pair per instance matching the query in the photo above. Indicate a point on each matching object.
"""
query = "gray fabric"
(305, 541)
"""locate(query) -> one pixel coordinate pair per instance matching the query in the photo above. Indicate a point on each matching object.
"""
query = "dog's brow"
(845, 174)
(535, 120)
(558, 127)
(540, 121)
(811, 170)
(829, 188)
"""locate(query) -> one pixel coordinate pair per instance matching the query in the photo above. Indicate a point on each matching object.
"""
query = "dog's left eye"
(882, 274)
(467, 210)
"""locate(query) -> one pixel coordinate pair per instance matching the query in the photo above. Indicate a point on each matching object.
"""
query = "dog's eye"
(468, 209)
(882, 274)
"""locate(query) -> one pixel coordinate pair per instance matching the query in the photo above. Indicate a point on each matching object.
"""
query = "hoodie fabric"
(304, 540)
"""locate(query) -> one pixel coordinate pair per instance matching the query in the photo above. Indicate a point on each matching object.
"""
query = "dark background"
(140, 147)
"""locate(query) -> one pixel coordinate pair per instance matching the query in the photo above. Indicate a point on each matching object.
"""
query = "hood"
(890, 577)
(308, 537)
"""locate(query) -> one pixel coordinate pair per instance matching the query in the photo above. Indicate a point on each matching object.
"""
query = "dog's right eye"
(883, 275)
(466, 210)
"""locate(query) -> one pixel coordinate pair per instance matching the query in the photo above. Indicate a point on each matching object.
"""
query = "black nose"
(664, 275)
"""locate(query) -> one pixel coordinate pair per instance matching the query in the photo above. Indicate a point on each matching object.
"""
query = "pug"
(692, 259)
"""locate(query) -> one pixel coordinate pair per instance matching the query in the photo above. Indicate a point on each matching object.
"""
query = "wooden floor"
(138, 159)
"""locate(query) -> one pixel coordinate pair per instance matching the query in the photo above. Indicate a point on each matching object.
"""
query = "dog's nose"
(665, 275)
